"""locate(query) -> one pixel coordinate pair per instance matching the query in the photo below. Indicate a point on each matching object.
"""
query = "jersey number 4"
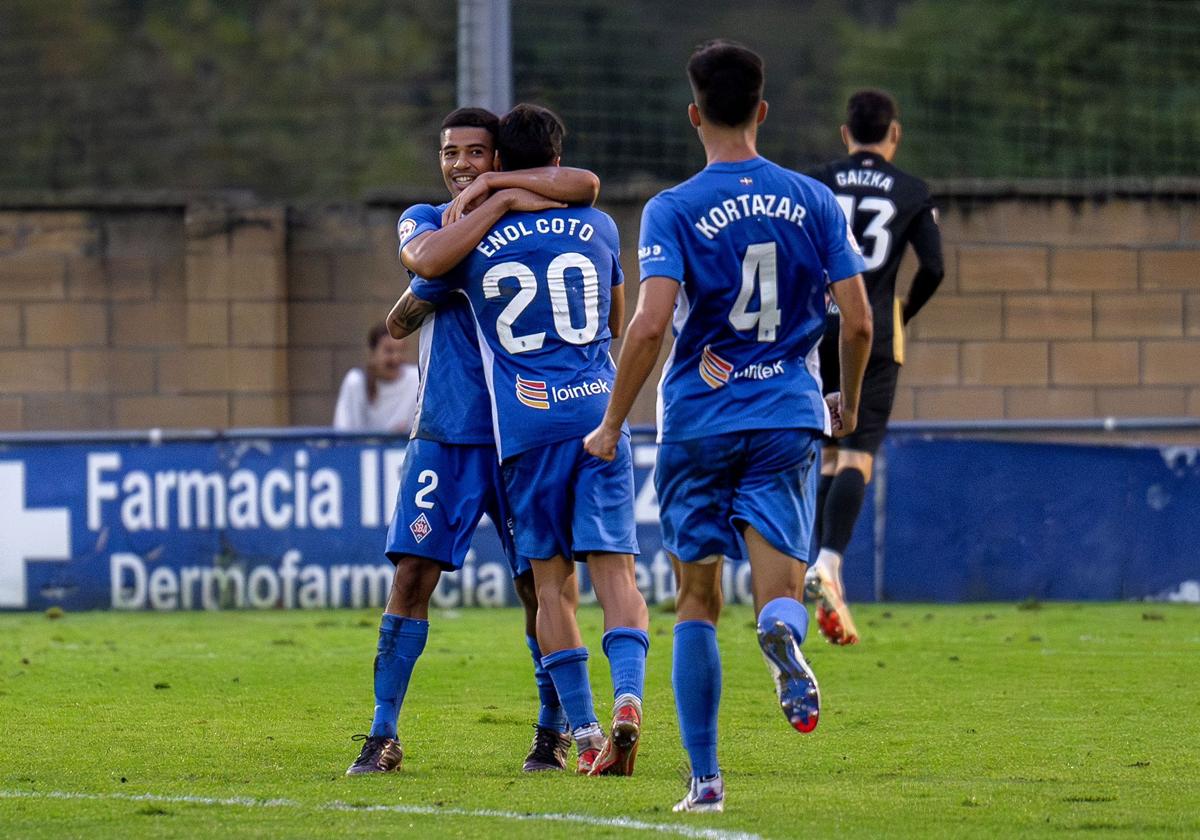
(759, 269)
(556, 282)
(877, 230)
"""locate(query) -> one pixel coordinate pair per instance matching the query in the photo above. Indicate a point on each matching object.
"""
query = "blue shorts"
(710, 489)
(444, 489)
(567, 503)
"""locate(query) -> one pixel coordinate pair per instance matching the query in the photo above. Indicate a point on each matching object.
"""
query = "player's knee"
(526, 591)
(864, 462)
(413, 584)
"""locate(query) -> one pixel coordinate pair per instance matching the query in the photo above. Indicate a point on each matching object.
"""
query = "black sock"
(842, 504)
(819, 521)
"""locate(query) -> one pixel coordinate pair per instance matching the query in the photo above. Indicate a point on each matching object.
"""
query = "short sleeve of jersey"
(840, 252)
(432, 291)
(660, 246)
(418, 219)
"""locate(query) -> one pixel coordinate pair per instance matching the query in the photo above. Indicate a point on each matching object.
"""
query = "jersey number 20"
(556, 282)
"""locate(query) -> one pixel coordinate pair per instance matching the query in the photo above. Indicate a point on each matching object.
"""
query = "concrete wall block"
(33, 276)
(257, 276)
(172, 412)
(1094, 363)
(930, 363)
(208, 276)
(259, 411)
(1005, 363)
(258, 370)
(11, 414)
(959, 317)
(112, 371)
(1171, 362)
(1191, 314)
(1001, 269)
(1139, 315)
(61, 231)
(259, 324)
(207, 324)
(310, 276)
(70, 411)
(311, 409)
(1091, 222)
(1170, 269)
(261, 230)
(311, 371)
(32, 371)
(1048, 316)
(355, 278)
(959, 403)
(152, 324)
(1141, 402)
(1037, 403)
(904, 406)
(87, 279)
(331, 324)
(131, 277)
(1093, 269)
(196, 370)
(10, 325)
(66, 324)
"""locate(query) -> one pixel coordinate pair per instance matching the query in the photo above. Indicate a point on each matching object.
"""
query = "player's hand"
(842, 421)
(602, 442)
(467, 200)
(524, 201)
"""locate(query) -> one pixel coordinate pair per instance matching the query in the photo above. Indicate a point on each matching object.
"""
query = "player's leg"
(696, 678)
(541, 529)
(774, 505)
(430, 531)
(844, 501)
(551, 741)
(603, 527)
(694, 481)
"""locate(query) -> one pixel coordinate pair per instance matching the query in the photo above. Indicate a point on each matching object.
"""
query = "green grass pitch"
(960, 721)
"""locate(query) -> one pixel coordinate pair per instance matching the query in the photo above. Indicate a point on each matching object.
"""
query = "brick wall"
(139, 312)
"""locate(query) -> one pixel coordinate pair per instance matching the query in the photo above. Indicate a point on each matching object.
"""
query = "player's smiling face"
(466, 153)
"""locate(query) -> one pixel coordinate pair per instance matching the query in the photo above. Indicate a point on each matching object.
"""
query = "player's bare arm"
(561, 183)
(616, 312)
(434, 253)
(407, 315)
(854, 349)
(639, 353)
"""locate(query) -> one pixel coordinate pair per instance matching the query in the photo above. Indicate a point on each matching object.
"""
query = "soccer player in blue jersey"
(450, 475)
(743, 253)
(540, 286)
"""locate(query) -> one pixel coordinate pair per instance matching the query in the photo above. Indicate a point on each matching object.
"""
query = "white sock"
(629, 698)
(831, 563)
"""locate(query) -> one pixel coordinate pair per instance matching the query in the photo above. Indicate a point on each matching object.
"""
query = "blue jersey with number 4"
(540, 286)
(452, 404)
(753, 246)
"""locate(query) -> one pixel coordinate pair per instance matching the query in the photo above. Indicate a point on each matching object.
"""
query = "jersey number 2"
(556, 281)
(759, 268)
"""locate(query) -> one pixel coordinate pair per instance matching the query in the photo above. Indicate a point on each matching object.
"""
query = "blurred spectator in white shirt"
(383, 397)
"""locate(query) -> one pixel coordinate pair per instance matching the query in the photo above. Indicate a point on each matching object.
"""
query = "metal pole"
(485, 55)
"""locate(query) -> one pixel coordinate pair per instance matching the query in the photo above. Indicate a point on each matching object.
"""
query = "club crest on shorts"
(420, 528)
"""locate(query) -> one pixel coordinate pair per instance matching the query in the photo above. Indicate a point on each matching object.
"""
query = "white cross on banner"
(26, 535)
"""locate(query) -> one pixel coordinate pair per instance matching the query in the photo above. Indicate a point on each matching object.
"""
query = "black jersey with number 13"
(887, 209)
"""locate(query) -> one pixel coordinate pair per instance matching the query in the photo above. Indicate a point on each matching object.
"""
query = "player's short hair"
(473, 118)
(727, 81)
(530, 136)
(376, 334)
(869, 114)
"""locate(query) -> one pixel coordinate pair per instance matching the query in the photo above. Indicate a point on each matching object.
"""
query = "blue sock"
(696, 678)
(568, 668)
(551, 715)
(788, 610)
(401, 641)
(626, 649)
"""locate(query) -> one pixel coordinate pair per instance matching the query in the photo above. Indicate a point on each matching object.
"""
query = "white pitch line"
(423, 810)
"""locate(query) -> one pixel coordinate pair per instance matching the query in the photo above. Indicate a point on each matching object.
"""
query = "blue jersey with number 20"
(540, 285)
(753, 246)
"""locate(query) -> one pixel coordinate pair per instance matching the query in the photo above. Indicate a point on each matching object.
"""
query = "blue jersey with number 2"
(753, 247)
(540, 286)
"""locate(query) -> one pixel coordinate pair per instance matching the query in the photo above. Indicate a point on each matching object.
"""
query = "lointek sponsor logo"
(760, 370)
(584, 389)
